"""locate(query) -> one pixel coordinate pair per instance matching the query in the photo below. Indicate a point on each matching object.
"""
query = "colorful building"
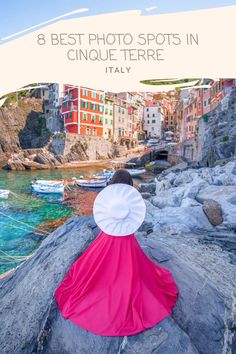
(83, 110)
(120, 119)
(108, 117)
(153, 120)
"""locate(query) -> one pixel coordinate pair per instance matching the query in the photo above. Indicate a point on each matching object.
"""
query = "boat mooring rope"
(44, 233)
(13, 259)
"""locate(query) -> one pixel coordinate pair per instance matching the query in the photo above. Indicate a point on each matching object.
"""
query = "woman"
(113, 288)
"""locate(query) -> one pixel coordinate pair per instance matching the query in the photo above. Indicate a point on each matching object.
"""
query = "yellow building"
(108, 118)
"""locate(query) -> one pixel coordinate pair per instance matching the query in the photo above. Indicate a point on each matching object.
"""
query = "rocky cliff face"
(217, 132)
(22, 126)
(180, 234)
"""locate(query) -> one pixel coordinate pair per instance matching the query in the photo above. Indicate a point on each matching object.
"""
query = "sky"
(26, 13)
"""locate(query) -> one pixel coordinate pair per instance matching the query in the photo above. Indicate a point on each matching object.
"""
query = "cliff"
(22, 126)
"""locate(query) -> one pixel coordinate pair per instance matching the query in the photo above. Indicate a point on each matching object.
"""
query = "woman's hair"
(121, 176)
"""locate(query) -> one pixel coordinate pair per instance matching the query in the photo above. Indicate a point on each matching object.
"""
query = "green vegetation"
(205, 118)
(161, 82)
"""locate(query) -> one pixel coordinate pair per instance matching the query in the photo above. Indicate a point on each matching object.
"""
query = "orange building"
(83, 110)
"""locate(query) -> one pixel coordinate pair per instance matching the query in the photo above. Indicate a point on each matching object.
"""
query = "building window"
(123, 111)
(153, 121)
(111, 112)
(71, 115)
(106, 101)
(85, 116)
(119, 131)
(65, 104)
(111, 121)
(106, 121)
(147, 109)
(153, 115)
(106, 111)
(94, 95)
(100, 119)
(205, 103)
(209, 101)
(93, 119)
(148, 122)
(85, 92)
(101, 97)
(87, 131)
(119, 109)
(100, 108)
(94, 131)
(148, 115)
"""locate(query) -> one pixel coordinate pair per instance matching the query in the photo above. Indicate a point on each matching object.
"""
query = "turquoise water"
(17, 239)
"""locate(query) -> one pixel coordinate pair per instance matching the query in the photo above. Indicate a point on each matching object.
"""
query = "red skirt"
(114, 289)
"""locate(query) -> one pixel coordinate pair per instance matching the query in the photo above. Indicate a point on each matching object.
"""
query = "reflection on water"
(23, 210)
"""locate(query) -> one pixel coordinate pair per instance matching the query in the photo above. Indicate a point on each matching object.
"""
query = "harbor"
(27, 217)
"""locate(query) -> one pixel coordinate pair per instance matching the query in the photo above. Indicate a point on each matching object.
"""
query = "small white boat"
(4, 193)
(136, 171)
(47, 188)
(66, 182)
(92, 182)
(106, 173)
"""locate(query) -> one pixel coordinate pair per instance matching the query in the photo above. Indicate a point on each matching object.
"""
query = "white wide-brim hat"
(119, 209)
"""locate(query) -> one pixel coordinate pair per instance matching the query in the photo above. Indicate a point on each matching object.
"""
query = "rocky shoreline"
(190, 229)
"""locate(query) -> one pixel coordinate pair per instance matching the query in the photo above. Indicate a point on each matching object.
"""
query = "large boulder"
(179, 220)
(202, 320)
(225, 196)
(213, 211)
(33, 323)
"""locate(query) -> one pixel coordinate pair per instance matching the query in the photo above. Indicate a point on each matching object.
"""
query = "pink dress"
(114, 289)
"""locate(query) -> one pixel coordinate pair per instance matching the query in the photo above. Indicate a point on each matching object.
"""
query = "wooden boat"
(4, 193)
(66, 182)
(136, 171)
(48, 188)
(96, 182)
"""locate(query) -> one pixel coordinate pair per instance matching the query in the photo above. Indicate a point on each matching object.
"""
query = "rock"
(204, 275)
(170, 177)
(183, 178)
(160, 340)
(177, 168)
(160, 165)
(147, 188)
(191, 189)
(225, 196)
(178, 219)
(146, 227)
(225, 180)
(204, 278)
(212, 209)
(230, 167)
(162, 185)
(146, 195)
(163, 201)
(189, 202)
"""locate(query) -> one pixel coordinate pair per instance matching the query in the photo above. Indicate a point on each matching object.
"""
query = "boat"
(66, 182)
(96, 182)
(48, 188)
(4, 193)
(134, 172)
(106, 173)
